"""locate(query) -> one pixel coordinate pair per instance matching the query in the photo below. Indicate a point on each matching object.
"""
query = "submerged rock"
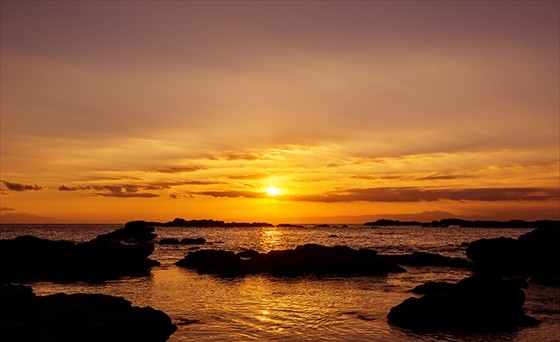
(309, 259)
(77, 317)
(481, 302)
(124, 252)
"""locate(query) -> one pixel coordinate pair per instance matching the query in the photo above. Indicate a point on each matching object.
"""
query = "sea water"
(266, 308)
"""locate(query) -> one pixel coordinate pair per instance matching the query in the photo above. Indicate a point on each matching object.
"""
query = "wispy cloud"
(133, 190)
(128, 195)
(124, 190)
(249, 176)
(6, 209)
(440, 176)
(179, 169)
(231, 194)
(23, 187)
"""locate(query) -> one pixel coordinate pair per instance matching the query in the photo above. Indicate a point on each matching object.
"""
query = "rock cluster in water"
(123, 252)
(309, 259)
(77, 317)
(481, 302)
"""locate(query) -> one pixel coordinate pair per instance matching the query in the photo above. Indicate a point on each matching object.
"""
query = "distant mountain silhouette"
(426, 216)
(14, 218)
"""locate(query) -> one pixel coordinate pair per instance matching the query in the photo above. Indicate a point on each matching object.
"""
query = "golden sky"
(112, 111)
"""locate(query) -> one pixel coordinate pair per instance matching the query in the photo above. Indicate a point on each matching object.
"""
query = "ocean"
(266, 308)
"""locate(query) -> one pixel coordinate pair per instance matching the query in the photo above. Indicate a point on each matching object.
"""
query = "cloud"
(125, 190)
(245, 156)
(231, 194)
(128, 195)
(179, 169)
(250, 176)
(133, 190)
(411, 194)
(6, 209)
(439, 176)
(23, 187)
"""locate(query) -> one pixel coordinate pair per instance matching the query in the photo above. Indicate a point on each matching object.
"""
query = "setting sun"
(272, 191)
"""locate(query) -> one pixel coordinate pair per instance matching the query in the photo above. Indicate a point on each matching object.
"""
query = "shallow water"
(209, 308)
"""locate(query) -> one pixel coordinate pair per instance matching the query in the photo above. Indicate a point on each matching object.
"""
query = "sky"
(279, 111)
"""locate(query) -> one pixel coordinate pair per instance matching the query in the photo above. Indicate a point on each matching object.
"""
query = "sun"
(272, 190)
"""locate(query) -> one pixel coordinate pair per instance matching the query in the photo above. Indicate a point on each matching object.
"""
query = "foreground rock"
(124, 252)
(78, 317)
(309, 259)
(478, 303)
(535, 253)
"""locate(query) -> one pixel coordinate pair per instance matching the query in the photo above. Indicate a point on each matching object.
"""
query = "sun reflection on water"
(270, 238)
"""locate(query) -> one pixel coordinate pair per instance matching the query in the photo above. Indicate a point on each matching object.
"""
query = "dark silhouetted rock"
(169, 241)
(185, 241)
(536, 252)
(322, 226)
(434, 287)
(429, 259)
(289, 225)
(78, 317)
(190, 241)
(308, 259)
(124, 252)
(248, 254)
(546, 280)
(134, 231)
(478, 303)
(179, 222)
(214, 262)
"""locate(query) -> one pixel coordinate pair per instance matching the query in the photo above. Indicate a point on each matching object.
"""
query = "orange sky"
(112, 111)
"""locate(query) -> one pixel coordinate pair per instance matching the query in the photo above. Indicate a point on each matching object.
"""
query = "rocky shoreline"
(481, 302)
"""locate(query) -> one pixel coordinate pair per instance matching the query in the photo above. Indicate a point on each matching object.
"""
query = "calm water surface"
(208, 308)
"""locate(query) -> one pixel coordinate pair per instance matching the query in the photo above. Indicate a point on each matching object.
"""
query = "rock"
(429, 259)
(190, 241)
(214, 262)
(535, 252)
(169, 241)
(481, 302)
(78, 317)
(134, 231)
(433, 287)
(248, 254)
(322, 226)
(288, 225)
(308, 259)
(545, 280)
(185, 241)
(124, 252)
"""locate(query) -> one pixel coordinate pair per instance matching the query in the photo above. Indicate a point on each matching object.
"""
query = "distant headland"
(449, 222)
(454, 222)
